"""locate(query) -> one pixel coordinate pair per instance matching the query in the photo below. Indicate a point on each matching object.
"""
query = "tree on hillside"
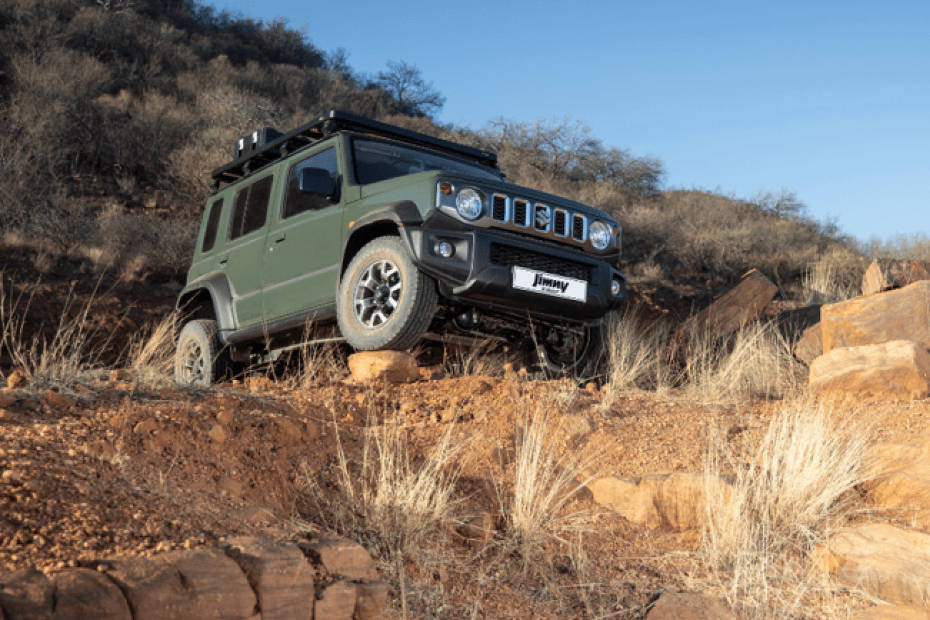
(413, 95)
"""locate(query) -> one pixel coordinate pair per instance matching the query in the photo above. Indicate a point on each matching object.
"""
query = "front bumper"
(480, 273)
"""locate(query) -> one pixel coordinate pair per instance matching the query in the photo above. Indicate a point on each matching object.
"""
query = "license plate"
(550, 284)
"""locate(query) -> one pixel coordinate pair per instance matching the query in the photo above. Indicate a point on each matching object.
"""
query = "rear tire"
(199, 359)
(384, 301)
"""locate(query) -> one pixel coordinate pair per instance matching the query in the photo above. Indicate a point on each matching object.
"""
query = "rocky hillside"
(724, 477)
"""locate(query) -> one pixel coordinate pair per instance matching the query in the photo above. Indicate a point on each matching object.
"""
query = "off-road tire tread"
(420, 315)
(210, 331)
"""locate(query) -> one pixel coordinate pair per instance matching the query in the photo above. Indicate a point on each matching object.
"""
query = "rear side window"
(297, 201)
(251, 208)
(213, 222)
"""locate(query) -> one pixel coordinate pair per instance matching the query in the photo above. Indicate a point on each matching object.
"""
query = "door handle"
(224, 260)
(281, 238)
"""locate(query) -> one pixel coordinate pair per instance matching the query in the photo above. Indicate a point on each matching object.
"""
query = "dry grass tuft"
(543, 483)
(57, 361)
(636, 356)
(401, 501)
(798, 488)
(828, 280)
(151, 354)
(755, 362)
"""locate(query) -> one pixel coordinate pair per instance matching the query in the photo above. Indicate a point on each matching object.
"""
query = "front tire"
(384, 301)
(199, 359)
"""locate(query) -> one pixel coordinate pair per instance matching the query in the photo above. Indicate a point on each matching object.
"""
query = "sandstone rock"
(885, 561)
(475, 527)
(390, 366)
(899, 479)
(632, 499)
(373, 597)
(730, 311)
(26, 594)
(57, 401)
(902, 314)
(810, 346)
(898, 369)
(200, 583)
(280, 575)
(682, 498)
(345, 558)
(893, 612)
(15, 380)
(84, 593)
(689, 606)
(889, 273)
(337, 603)
(674, 500)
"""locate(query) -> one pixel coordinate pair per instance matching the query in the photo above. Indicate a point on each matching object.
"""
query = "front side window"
(377, 161)
(296, 201)
(251, 208)
(213, 222)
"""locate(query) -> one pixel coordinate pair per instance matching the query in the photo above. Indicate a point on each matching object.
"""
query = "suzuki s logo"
(542, 217)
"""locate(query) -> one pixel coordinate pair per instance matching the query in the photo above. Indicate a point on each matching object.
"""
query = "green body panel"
(302, 254)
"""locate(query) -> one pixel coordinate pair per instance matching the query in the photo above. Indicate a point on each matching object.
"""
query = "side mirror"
(317, 181)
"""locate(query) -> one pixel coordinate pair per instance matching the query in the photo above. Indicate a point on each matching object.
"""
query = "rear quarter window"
(213, 222)
(251, 208)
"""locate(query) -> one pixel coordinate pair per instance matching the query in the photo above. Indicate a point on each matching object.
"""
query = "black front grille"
(560, 223)
(519, 212)
(578, 227)
(499, 208)
(510, 256)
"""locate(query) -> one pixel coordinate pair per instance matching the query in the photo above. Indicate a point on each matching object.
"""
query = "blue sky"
(828, 99)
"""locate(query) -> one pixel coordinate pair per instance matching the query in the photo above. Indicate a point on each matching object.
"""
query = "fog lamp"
(445, 249)
(615, 287)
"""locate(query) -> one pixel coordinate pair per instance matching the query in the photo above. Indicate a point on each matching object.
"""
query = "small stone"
(217, 433)
(689, 606)
(475, 527)
(145, 427)
(57, 401)
(15, 380)
(11, 476)
(591, 387)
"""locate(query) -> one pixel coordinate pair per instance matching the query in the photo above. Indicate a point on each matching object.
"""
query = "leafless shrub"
(784, 502)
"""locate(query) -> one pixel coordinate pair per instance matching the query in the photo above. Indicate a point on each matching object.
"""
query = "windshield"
(376, 161)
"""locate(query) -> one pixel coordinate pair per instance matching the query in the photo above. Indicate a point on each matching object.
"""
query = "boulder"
(809, 347)
(893, 612)
(337, 603)
(631, 498)
(84, 593)
(199, 583)
(899, 480)
(902, 314)
(689, 606)
(26, 594)
(677, 501)
(730, 311)
(888, 562)
(378, 366)
(278, 573)
(345, 558)
(373, 597)
(893, 370)
(890, 273)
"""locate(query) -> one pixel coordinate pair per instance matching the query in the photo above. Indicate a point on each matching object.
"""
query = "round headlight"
(600, 234)
(468, 203)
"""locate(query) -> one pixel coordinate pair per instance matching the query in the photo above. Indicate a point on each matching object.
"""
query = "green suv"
(395, 235)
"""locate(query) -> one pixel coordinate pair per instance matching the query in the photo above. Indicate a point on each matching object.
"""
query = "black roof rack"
(335, 120)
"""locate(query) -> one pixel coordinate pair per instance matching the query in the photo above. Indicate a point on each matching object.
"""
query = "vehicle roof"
(333, 122)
